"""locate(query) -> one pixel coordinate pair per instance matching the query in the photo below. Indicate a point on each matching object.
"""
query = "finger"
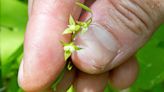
(118, 30)
(90, 83)
(43, 54)
(30, 5)
(125, 74)
(66, 81)
(75, 11)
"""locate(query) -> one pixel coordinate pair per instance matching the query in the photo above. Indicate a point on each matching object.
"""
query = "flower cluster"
(74, 28)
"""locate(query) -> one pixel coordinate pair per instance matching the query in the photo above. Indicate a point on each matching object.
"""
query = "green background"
(13, 19)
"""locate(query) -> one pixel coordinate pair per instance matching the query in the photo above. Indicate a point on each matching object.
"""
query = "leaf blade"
(67, 54)
(67, 31)
(84, 7)
(71, 20)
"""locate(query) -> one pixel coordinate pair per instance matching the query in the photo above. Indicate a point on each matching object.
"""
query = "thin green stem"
(59, 79)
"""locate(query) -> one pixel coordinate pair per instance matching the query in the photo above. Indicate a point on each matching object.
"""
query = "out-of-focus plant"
(13, 19)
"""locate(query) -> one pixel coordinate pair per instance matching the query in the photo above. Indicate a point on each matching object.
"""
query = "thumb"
(118, 30)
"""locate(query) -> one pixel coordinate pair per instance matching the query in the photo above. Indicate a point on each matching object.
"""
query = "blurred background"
(13, 19)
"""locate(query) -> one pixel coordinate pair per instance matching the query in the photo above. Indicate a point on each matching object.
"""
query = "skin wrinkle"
(124, 20)
(148, 21)
(135, 27)
(130, 6)
(118, 53)
(141, 6)
(114, 30)
(152, 14)
(153, 9)
(124, 53)
(127, 39)
(128, 24)
(122, 14)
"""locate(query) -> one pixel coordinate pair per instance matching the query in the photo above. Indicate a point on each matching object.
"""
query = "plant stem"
(1, 81)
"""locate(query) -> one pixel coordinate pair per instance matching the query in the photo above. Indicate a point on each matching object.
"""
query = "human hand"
(118, 30)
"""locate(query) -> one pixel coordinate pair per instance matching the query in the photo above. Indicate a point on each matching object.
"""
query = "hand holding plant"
(107, 47)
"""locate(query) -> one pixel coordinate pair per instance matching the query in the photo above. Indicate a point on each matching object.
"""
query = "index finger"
(43, 54)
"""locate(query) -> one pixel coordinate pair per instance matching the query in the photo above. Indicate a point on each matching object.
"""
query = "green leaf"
(77, 28)
(69, 48)
(84, 25)
(84, 7)
(77, 48)
(151, 60)
(72, 29)
(161, 44)
(13, 14)
(80, 23)
(67, 54)
(67, 31)
(13, 85)
(71, 20)
(71, 89)
(11, 47)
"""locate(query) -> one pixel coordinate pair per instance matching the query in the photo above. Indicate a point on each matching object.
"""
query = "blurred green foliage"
(13, 19)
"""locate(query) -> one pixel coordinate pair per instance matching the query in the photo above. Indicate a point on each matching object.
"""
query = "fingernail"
(99, 47)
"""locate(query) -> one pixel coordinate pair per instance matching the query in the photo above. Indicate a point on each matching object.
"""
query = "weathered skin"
(119, 29)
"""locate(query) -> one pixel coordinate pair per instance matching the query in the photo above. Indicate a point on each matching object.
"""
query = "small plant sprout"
(84, 25)
(69, 48)
(75, 27)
